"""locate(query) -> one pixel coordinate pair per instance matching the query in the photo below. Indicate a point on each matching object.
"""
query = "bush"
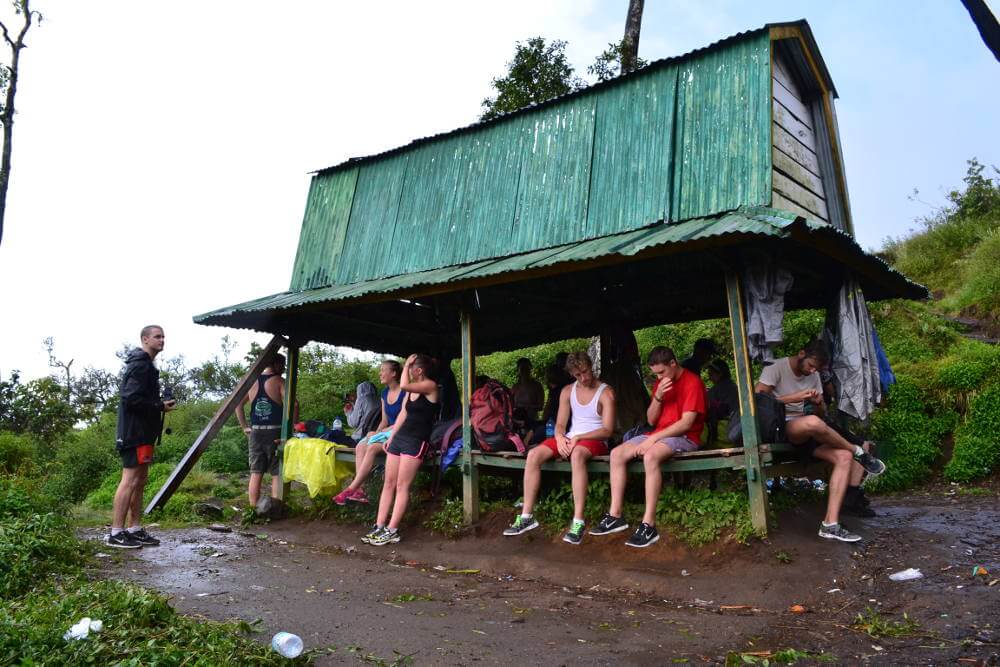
(82, 460)
(140, 628)
(977, 441)
(17, 452)
(910, 439)
(197, 486)
(228, 452)
(980, 289)
(700, 516)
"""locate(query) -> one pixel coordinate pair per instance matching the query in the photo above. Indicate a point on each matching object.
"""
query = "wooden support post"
(214, 425)
(748, 410)
(470, 473)
(288, 415)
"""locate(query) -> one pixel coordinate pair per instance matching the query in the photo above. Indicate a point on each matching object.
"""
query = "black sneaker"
(122, 540)
(144, 538)
(837, 532)
(521, 525)
(643, 536)
(872, 465)
(575, 533)
(856, 504)
(609, 524)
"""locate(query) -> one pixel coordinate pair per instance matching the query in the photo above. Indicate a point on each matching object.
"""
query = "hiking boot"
(643, 536)
(609, 524)
(860, 511)
(122, 540)
(384, 537)
(856, 504)
(367, 537)
(872, 465)
(837, 532)
(521, 525)
(342, 497)
(144, 538)
(358, 496)
(575, 533)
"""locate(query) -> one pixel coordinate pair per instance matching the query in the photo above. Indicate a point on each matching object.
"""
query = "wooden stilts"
(288, 415)
(470, 473)
(214, 425)
(748, 412)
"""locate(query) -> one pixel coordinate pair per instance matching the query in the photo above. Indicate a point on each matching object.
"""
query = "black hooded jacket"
(140, 407)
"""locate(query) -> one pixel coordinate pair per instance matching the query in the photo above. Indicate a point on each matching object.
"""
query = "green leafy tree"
(608, 65)
(538, 72)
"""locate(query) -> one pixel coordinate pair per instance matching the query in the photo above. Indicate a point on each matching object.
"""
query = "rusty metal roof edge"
(649, 68)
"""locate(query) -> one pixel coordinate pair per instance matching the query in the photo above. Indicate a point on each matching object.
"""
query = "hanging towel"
(853, 359)
(765, 285)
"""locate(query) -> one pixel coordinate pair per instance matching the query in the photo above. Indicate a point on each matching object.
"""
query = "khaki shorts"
(263, 450)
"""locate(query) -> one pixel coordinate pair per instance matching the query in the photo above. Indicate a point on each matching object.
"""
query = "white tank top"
(585, 417)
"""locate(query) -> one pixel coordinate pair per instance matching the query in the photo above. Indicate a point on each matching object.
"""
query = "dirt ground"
(488, 599)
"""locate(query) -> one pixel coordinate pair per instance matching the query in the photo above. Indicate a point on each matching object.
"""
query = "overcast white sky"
(162, 151)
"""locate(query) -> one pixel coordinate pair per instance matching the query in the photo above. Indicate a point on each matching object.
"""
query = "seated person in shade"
(723, 397)
(371, 446)
(529, 396)
(704, 350)
(592, 406)
(677, 413)
(795, 382)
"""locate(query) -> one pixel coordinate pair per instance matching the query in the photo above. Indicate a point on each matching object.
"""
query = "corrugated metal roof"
(686, 139)
(749, 221)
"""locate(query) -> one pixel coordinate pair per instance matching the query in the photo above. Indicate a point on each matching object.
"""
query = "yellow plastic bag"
(311, 462)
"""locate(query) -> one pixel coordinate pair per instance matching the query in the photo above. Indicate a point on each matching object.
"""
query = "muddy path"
(532, 599)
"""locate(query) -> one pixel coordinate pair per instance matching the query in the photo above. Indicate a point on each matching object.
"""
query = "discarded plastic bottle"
(550, 429)
(287, 644)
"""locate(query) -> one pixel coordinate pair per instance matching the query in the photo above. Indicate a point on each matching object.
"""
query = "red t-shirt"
(686, 395)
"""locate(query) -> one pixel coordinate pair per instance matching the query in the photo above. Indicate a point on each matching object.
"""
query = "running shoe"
(575, 533)
(358, 496)
(386, 536)
(144, 538)
(521, 525)
(122, 540)
(837, 532)
(644, 536)
(872, 465)
(609, 524)
(367, 537)
(342, 497)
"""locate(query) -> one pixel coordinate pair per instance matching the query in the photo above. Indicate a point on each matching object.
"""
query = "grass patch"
(876, 626)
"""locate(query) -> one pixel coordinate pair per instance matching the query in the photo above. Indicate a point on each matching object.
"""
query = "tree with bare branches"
(14, 40)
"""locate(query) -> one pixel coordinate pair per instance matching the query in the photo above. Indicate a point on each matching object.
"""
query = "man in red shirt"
(677, 413)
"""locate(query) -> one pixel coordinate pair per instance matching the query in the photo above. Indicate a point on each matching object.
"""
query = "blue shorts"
(676, 444)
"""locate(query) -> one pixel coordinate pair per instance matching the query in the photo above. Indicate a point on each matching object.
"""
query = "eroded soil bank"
(534, 599)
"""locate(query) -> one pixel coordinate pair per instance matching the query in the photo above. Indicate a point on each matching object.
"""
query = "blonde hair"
(578, 361)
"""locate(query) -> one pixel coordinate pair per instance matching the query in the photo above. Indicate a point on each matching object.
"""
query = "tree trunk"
(7, 116)
(630, 43)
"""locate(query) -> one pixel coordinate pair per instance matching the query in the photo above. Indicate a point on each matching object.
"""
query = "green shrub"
(910, 439)
(140, 628)
(228, 452)
(17, 452)
(700, 516)
(977, 440)
(980, 287)
(969, 366)
(195, 488)
(911, 333)
(82, 460)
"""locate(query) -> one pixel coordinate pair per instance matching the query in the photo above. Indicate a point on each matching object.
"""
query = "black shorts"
(136, 456)
(408, 447)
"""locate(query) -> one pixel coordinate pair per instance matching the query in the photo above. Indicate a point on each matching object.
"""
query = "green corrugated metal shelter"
(635, 200)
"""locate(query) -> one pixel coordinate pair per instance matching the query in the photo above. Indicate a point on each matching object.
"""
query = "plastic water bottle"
(338, 425)
(287, 644)
(550, 429)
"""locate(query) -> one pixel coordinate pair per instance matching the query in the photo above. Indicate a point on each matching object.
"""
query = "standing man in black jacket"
(140, 413)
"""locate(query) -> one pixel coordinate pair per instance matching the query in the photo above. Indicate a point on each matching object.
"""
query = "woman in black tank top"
(406, 447)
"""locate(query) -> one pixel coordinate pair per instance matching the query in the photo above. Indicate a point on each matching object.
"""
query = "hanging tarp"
(853, 359)
(766, 285)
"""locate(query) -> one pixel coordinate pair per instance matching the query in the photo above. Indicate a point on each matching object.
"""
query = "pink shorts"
(595, 447)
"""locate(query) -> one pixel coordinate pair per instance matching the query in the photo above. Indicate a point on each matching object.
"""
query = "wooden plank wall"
(797, 178)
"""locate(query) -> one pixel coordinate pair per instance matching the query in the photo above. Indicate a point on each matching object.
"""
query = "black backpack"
(770, 420)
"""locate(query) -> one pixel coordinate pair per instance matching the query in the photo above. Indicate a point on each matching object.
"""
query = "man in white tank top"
(592, 405)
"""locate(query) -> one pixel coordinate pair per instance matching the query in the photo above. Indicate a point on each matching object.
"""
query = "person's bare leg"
(135, 499)
(253, 490)
(812, 427)
(620, 456)
(533, 475)
(408, 467)
(123, 497)
(365, 469)
(386, 498)
(275, 486)
(578, 460)
(654, 479)
(841, 461)
(360, 450)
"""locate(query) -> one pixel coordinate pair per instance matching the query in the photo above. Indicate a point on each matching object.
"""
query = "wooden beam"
(748, 411)
(288, 415)
(214, 425)
(470, 473)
